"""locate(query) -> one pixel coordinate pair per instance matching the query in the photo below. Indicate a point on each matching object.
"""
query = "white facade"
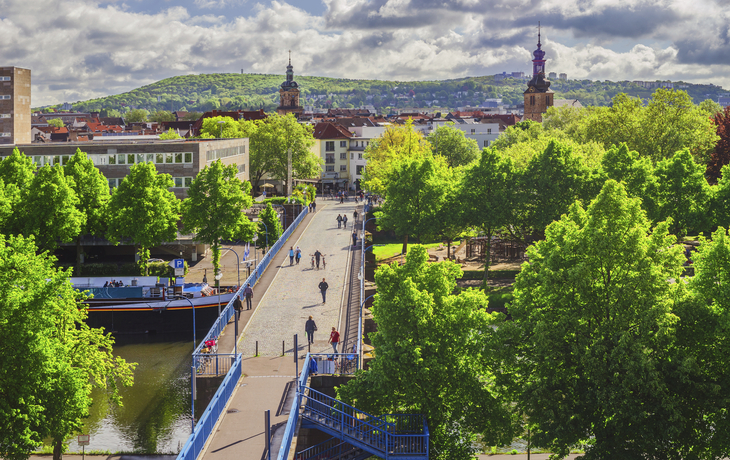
(364, 135)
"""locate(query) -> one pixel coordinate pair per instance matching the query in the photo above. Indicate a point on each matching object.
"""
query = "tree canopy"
(269, 228)
(453, 145)
(144, 210)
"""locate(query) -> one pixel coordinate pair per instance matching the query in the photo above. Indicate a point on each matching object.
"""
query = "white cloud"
(78, 49)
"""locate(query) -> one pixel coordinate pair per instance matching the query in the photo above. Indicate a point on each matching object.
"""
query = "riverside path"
(282, 310)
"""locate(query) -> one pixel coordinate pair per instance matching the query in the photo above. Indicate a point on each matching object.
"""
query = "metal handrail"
(332, 448)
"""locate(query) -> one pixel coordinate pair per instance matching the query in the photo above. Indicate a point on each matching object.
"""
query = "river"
(155, 415)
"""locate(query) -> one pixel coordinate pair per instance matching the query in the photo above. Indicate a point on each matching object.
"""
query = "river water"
(155, 415)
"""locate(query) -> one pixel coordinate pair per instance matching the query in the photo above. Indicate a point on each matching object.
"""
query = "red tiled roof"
(327, 130)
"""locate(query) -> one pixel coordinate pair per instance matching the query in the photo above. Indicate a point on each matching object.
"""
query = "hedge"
(129, 269)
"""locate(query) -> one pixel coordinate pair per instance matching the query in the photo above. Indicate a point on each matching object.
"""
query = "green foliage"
(453, 145)
(269, 142)
(309, 191)
(56, 122)
(136, 116)
(416, 192)
(50, 358)
(170, 135)
(214, 207)
(636, 173)
(161, 115)
(144, 210)
(17, 172)
(592, 332)
(221, 127)
(51, 208)
(680, 193)
(432, 352)
(269, 228)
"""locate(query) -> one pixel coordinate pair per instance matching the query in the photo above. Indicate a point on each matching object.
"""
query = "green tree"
(110, 113)
(170, 135)
(214, 207)
(56, 122)
(453, 145)
(50, 208)
(50, 358)
(161, 115)
(16, 172)
(486, 197)
(592, 331)
(144, 210)
(269, 228)
(397, 143)
(221, 127)
(416, 191)
(271, 139)
(92, 191)
(432, 349)
(636, 173)
(135, 116)
(680, 193)
(710, 107)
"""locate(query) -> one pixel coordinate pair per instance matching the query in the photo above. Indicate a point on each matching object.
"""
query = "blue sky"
(79, 49)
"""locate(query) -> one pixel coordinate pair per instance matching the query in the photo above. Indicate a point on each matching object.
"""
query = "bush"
(130, 269)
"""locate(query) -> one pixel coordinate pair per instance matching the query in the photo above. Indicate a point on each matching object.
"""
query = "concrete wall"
(15, 111)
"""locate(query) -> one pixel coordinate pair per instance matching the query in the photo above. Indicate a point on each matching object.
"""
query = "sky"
(81, 49)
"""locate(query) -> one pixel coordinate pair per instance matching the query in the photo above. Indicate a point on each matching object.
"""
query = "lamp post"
(220, 125)
(282, 207)
(238, 265)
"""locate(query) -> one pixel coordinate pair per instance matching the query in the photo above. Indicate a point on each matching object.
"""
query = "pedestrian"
(291, 255)
(238, 306)
(309, 327)
(339, 220)
(323, 289)
(344, 221)
(248, 294)
(317, 255)
(354, 238)
(313, 365)
(342, 199)
(354, 216)
(298, 255)
(314, 206)
(205, 276)
(334, 338)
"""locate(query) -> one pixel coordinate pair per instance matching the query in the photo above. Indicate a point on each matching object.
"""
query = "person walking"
(248, 294)
(291, 256)
(354, 216)
(298, 255)
(334, 338)
(354, 238)
(309, 327)
(323, 289)
(317, 255)
(238, 306)
(344, 221)
(339, 220)
(314, 206)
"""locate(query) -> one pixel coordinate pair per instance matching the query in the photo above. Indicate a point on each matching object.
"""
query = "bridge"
(261, 363)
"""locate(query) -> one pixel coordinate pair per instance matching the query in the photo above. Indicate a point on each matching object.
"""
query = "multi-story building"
(331, 142)
(183, 160)
(14, 105)
(538, 96)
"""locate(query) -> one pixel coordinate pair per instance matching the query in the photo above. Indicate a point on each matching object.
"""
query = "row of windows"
(4, 78)
(329, 146)
(489, 130)
(5, 96)
(180, 182)
(352, 156)
(343, 168)
(6, 134)
(361, 143)
(216, 154)
(156, 158)
(4, 115)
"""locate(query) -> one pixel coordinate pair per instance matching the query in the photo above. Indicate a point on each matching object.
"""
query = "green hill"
(253, 91)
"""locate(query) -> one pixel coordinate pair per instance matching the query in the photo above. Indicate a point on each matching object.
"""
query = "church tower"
(289, 94)
(538, 96)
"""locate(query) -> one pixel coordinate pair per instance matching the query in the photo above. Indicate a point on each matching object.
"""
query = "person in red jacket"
(334, 338)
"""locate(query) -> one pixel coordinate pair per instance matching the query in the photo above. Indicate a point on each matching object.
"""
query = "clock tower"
(289, 94)
(538, 96)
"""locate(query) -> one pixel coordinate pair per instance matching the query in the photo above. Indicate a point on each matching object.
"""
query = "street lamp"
(282, 207)
(220, 125)
(238, 265)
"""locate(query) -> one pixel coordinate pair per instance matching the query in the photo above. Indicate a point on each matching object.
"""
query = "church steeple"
(289, 93)
(290, 72)
(538, 64)
(538, 96)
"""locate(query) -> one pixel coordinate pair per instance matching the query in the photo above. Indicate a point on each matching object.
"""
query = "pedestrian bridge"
(355, 433)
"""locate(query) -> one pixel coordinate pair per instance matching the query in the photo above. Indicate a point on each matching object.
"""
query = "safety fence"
(216, 363)
(206, 424)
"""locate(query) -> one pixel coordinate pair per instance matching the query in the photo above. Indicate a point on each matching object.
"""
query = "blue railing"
(228, 311)
(207, 421)
(332, 448)
(214, 363)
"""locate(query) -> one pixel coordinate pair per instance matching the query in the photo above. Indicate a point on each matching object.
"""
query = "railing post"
(296, 358)
(267, 426)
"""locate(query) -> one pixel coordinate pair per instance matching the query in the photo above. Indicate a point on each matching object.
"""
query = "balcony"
(329, 161)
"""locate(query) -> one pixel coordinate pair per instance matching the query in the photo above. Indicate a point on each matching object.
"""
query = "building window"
(352, 155)
(343, 143)
(532, 100)
(359, 156)
(6, 134)
(473, 131)
(489, 130)
(343, 167)
(4, 78)
(343, 156)
(329, 158)
(330, 168)
(5, 96)
(113, 183)
(329, 146)
(182, 182)
(359, 170)
(486, 143)
(4, 115)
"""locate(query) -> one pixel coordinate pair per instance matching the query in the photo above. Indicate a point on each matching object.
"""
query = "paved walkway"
(280, 312)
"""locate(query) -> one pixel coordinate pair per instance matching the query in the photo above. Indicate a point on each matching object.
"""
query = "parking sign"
(179, 266)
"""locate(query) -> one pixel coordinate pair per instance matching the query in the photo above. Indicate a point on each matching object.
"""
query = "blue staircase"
(394, 436)
(332, 449)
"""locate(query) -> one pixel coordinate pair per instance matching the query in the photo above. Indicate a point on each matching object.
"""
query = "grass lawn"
(387, 251)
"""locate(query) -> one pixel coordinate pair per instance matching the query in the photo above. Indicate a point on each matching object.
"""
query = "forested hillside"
(253, 91)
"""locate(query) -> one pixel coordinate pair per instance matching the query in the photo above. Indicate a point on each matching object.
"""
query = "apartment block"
(14, 105)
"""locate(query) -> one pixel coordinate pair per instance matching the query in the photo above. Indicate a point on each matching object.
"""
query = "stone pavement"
(280, 312)
(294, 295)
